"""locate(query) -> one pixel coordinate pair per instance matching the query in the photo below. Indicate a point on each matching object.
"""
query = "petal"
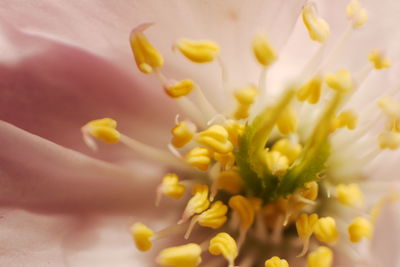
(41, 176)
(56, 89)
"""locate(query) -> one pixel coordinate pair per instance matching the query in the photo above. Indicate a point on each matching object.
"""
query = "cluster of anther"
(270, 178)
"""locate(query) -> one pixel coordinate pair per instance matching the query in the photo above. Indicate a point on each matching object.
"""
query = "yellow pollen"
(226, 160)
(224, 244)
(170, 186)
(356, 13)
(317, 28)
(198, 51)
(199, 157)
(230, 181)
(378, 60)
(103, 129)
(347, 119)
(235, 130)
(198, 203)
(182, 133)
(287, 122)
(311, 91)
(276, 162)
(340, 81)
(141, 235)
(325, 230)
(321, 257)
(305, 226)
(179, 89)
(360, 228)
(216, 138)
(147, 57)
(214, 217)
(244, 209)
(389, 140)
(263, 50)
(289, 149)
(350, 194)
(188, 255)
(310, 191)
(276, 262)
(245, 98)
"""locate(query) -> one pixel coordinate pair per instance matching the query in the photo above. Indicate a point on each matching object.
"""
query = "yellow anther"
(305, 226)
(226, 160)
(311, 91)
(349, 194)
(198, 51)
(147, 57)
(378, 60)
(170, 186)
(244, 209)
(389, 140)
(291, 150)
(188, 255)
(214, 217)
(215, 138)
(356, 13)
(224, 244)
(346, 119)
(199, 157)
(198, 203)
(235, 130)
(325, 230)
(360, 228)
(317, 28)
(263, 51)
(245, 98)
(276, 262)
(321, 257)
(182, 133)
(287, 122)
(230, 181)
(310, 191)
(141, 235)
(276, 162)
(340, 81)
(103, 129)
(179, 89)
(389, 106)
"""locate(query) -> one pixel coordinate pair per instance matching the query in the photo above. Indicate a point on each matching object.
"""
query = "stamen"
(141, 235)
(340, 81)
(276, 162)
(235, 131)
(216, 138)
(263, 50)
(305, 226)
(287, 122)
(311, 91)
(170, 186)
(349, 194)
(182, 133)
(229, 181)
(317, 28)
(197, 204)
(199, 157)
(321, 257)
(356, 14)
(346, 119)
(378, 60)
(179, 89)
(198, 51)
(188, 255)
(325, 230)
(389, 140)
(224, 244)
(360, 228)
(276, 262)
(291, 150)
(245, 98)
(147, 57)
(226, 160)
(103, 129)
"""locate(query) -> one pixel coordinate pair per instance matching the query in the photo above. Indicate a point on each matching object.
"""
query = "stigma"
(258, 175)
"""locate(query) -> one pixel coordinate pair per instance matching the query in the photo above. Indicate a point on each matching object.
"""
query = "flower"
(90, 194)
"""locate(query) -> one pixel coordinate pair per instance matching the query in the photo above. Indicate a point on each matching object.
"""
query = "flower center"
(264, 175)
